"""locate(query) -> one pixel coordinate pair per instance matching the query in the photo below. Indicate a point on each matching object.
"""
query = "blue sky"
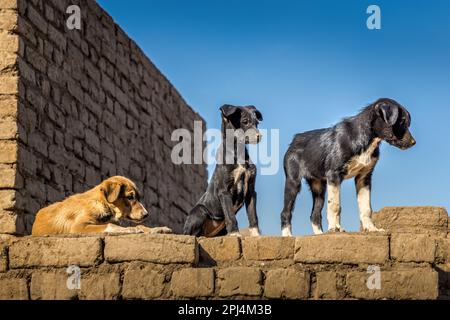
(306, 65)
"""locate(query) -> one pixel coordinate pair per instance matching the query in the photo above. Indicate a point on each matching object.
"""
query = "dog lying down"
(96, 211)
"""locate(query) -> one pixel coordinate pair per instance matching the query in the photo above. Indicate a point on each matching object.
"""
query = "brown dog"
(91, 212)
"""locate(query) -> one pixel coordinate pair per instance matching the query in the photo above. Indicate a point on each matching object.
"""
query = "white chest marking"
(238, 172)
(362, 162)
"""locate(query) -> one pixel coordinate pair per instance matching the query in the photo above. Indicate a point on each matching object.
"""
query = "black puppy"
(233, 181)
(325, 157)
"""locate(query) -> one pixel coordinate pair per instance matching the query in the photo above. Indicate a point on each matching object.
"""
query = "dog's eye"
(245, 122)
(130, 197)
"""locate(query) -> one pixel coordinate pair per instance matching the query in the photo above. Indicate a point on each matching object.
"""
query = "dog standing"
(114, 199)
(233, 182)
(350, 149)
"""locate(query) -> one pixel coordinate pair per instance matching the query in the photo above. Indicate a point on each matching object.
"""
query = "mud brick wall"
(78, 106)
(413, 265)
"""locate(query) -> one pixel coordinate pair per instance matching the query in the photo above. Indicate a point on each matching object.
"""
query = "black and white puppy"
(350, 149)
(233, 182)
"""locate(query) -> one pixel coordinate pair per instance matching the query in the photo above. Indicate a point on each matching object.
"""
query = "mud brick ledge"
(413, 265)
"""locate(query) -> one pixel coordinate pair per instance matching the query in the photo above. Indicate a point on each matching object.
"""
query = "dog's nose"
(413, 142)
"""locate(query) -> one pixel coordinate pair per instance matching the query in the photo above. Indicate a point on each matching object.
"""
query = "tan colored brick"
(151, 248)
(55, 252)
(430, 220)
(268, 248)
(12, 288)
(7, 199)
(8, 221)
(443, 250)
(8, 130)
(8, 20)
(8, 177)
(9, 85)
(8, 107)
(142, 283)
(8, 4)
(326, 285)
(287, 284)
(418, 283)
(413, 247)
(100, 286)
(192, 283)
(220, 249)
(3, 257)
(239, 281)
(7, 61)
(9, 42)
(51, 285)
(8, 152)
(342, 248)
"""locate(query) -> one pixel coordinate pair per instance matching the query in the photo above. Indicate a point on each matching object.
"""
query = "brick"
(100, 286)
(151, 248)
(193, 283)
(443, 250)
(326, 286)
(8, 4)
(55, 252)
(3, 257)
(239, 281)
(430, 220)
(8, 151)
(342, 248)
(8, 129)
(7, 199)
(413, 247)
(268, 248)
(9, 42)
(37, 19)
(8, 20)
(8, 177)
(52, 285)
(9, 84)
(287, 284)
(220, 249)
(8, 222)
(12, 288)
(142, 283)
(418, 283)
(8, 108)
(8, 61)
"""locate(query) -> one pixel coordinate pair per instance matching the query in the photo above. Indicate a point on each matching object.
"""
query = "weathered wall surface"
(78, 106)
(331, 266)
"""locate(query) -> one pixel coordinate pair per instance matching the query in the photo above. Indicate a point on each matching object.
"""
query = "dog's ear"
(229, 110)
(111, 190)
(258, 114)
(389, 113)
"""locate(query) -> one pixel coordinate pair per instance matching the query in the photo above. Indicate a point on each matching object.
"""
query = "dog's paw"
(286, 232)
(373, 229)
(235, 234)
(161, 230)
(254, 232)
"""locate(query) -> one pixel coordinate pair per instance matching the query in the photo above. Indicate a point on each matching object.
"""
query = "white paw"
(235, 234)
(286, 232)
(254, 232)
(317, 229)
(372, 228)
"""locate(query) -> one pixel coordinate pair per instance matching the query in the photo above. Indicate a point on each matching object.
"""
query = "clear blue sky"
(306, 65)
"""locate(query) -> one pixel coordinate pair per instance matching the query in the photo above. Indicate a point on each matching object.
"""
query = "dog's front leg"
(334, 205)
(250, 204)
(230, 218)
(363, 188)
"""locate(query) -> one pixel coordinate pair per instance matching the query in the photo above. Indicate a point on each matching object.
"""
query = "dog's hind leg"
(318, 193)
(291, 189)
(194, 222)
